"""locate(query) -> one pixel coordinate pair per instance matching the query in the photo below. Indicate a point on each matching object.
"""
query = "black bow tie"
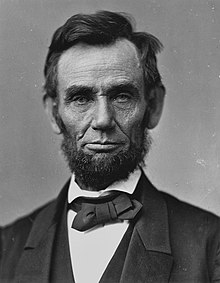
(106, 209)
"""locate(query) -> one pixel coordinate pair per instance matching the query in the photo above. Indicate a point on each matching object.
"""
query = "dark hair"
(101, 28)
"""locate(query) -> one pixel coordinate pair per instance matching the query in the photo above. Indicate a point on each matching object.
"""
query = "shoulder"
(14, 235)
(180, 213)
(187, 217)
(187, 210)
(22, 224)
(194, 234)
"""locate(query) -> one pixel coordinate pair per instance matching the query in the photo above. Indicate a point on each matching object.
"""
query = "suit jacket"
(169, 241)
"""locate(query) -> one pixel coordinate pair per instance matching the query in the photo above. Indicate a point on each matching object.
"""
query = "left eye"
(122, 98)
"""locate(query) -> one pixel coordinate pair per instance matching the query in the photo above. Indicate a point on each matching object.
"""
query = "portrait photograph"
(110, 141)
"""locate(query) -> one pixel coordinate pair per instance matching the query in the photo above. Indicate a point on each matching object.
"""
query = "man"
(109, 224)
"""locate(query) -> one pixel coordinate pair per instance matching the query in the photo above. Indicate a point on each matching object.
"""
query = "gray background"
(184, 159)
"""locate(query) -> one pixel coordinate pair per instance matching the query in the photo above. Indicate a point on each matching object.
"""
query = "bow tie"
(101, 210)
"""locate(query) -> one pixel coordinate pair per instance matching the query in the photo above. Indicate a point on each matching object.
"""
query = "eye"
(122, 98)
(81, 100)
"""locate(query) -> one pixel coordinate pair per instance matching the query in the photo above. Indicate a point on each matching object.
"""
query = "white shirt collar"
(127, 186)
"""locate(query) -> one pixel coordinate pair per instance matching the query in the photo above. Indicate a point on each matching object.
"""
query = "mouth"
(102, 146)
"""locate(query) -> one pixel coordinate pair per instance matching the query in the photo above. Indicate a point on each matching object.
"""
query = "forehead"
(100, 65)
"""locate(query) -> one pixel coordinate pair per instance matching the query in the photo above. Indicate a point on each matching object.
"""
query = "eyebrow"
(88, 91)
(74, 90)
(122, 87)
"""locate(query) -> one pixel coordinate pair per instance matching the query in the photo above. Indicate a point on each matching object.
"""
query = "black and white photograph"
(110, 141)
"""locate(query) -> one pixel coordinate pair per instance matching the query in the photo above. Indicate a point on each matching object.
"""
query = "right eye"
(81, 100)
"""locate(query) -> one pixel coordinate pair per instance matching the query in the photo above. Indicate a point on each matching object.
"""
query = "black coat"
(170, 241)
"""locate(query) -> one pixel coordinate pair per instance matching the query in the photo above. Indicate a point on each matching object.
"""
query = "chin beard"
(98, 171)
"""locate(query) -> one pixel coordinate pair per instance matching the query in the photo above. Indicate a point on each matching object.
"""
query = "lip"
(102, 146)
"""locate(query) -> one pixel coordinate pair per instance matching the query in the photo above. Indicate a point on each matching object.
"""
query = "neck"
(102, 186)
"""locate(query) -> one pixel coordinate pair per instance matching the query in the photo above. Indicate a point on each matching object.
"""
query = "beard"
(97, 171)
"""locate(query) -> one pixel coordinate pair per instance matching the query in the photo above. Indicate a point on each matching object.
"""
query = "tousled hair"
(102, 28)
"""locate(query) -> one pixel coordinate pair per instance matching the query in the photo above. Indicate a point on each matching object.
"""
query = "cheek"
(132, 125)
(71, 122)
(136, 132)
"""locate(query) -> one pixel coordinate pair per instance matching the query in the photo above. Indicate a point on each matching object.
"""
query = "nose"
(103, 116)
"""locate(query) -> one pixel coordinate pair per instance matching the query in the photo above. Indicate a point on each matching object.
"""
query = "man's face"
(102, 103)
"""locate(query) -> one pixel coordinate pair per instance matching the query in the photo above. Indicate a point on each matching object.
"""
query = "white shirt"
(91, 251)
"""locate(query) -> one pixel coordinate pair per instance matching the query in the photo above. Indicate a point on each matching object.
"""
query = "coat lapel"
(149, 253)
(61, 262)
(35, 262)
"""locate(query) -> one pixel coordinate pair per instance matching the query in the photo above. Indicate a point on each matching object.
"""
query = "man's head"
(103, 91)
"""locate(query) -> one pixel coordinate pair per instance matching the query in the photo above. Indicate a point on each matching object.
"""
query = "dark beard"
(100, 170)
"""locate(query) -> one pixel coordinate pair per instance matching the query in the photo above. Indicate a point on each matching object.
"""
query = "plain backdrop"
(185, 156)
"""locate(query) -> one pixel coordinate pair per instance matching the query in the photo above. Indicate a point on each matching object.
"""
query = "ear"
(155, 106)
(50, 108)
